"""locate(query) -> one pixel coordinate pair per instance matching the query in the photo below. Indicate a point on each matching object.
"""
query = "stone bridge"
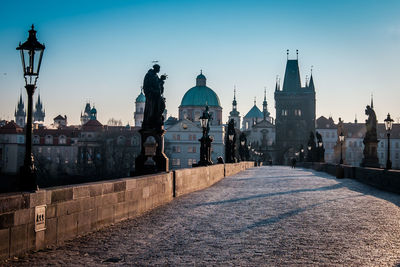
(267, 216)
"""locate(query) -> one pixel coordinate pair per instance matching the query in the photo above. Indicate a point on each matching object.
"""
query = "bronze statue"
(153, 87)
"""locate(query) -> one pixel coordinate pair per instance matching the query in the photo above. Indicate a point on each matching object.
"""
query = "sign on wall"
(40, 218)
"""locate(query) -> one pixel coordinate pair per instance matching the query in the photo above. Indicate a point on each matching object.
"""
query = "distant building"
(235, 114)
(328, 130)
(139, 109)
(252, 117)
(196, 98)
(60, 121)
(12, 148)
(20, 114)
(39, 113)
(182, 136)
(295, 112)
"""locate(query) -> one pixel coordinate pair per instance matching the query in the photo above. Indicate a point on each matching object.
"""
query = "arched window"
(121, 140)
(48, 140)
(36, 139)
(62, 140)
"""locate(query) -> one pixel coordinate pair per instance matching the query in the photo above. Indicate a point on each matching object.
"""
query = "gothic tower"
(295, 112)
(20, 114)
(38, 114)
(139, 109)
(234, 114)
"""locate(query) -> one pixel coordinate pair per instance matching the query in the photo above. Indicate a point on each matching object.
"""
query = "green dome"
(141, 98)
(200, 96)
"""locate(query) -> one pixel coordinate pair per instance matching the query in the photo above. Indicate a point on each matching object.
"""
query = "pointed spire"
(276, 83)
(306, 81)
(234, 103)
(372, 101)
(265, 93)
(311, 83)
(254, 101)
(297, 54)
(287, 54)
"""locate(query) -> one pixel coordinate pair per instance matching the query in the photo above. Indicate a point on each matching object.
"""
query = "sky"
(99, 51)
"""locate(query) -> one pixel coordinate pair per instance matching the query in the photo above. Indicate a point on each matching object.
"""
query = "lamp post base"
(27, 179)
(388, 164)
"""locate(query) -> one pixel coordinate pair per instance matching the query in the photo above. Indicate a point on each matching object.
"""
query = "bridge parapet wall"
(75, 210)
(388, 180)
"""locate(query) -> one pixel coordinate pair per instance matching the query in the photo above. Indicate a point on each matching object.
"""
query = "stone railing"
(32, 221)
(388, 180)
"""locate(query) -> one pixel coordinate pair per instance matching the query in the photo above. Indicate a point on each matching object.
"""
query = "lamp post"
(301, 153)
(242, 148)
(388, 125)
(230, 153)
(341, 140)
(205, 140)
(31, 56)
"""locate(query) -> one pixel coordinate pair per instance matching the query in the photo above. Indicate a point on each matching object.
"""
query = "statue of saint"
(153, 88)
(370, 123)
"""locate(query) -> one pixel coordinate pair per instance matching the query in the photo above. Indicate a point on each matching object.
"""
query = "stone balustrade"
(62, 213)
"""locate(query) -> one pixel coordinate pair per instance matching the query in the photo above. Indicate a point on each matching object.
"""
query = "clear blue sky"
(101, 50)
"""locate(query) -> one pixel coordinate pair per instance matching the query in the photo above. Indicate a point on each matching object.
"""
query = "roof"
(200, 96)
(292, 76)
(324, 123)
(254, 112)
(141, 98)
(92, 125)
(59, 117)
(11, 128)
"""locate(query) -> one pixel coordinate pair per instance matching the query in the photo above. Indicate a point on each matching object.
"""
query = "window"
(176, 149)
(176, 162)
(48, 140)
(36, 139)
(397, 155)
(297, 112)
(121, 140)
(178, 137)
(381, 143)
(284, 112)
(191, 162)
(62, 140)
(191, 149)
(397, 145)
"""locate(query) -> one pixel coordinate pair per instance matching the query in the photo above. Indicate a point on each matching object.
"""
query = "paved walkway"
(269, 216)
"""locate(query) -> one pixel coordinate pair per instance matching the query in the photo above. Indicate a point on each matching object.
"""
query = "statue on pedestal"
(152, 158)
(370, 140)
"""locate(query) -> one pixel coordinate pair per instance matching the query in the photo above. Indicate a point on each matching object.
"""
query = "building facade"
(295, 112)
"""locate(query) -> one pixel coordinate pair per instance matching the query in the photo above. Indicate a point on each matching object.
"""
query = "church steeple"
(234, 114)
(311, 83)
(20, 113)
(38, 114)
(265, 105)
(372, 101)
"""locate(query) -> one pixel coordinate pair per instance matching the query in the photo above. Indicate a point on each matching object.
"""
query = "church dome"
(200, 95)
(93, 111)
(141, 98)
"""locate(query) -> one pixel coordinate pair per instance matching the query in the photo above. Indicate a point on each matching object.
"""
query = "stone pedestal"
(370, 154)
(147, 163)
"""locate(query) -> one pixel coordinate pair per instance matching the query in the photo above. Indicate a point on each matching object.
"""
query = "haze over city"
(99, 51)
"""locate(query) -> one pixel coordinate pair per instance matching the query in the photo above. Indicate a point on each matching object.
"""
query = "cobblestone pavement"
(268, 216)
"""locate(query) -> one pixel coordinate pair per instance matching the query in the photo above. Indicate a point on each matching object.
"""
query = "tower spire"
(297, 54)
(372, 101)
(254, 101)
(287, 54)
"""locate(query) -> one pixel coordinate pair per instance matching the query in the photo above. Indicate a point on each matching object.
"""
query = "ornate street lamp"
(230, 147)
(301, 153)
(31, 57)
(388, 125)
(243, 146)
(205, 140)
(341, 140)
